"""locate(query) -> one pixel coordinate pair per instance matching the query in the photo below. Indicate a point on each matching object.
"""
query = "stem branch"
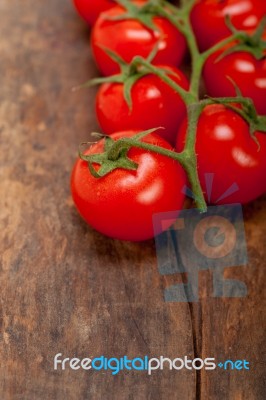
(185, 95)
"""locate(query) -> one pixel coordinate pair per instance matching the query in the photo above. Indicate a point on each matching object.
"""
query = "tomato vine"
(115, 152)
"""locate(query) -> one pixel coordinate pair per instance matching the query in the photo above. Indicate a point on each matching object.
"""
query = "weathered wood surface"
(65, 288)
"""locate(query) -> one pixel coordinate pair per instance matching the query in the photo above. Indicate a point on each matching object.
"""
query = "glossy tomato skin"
(90, 10)
(154, 104)
(129, 38)
(225, 148)
(121, 204)
(248, 73)
(208, 18)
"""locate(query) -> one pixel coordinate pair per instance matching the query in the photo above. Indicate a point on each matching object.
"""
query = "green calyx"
(107, 165)
(114, 156)
(142, 13)
(128, 76)
(257, 123)
(130, 73)
(253, 44)
(146, 12)
(247, 111)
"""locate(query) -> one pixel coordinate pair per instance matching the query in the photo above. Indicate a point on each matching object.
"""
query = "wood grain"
(64, 287)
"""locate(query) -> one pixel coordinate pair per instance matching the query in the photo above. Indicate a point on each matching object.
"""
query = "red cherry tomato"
(248, 73)
(129, 38)
(208, 18)
(91, 9)
(224, 147)
(121, 204)
(154, 104)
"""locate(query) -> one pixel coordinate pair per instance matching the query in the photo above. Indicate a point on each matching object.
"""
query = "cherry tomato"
(154, 104)
(91, 9)
(208, 18)
(121, 204)
(129, 38)
(225, 148)
(248, 73)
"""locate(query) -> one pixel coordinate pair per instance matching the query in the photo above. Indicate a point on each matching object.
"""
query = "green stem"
(220, 45)
(115, 151)
(187, 97)
(187, 5)
(128, 5)
(194, 112)
(197, 67)
(187, 158)
(180, 18)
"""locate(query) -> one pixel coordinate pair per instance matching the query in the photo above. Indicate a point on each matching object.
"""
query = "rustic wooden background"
(65, 288)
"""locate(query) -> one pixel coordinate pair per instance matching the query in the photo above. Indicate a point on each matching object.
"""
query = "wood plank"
(235, 328)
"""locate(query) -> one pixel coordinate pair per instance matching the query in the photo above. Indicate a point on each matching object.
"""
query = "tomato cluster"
(121, 204)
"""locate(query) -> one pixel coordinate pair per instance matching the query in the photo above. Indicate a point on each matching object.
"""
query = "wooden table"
(67, 289)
